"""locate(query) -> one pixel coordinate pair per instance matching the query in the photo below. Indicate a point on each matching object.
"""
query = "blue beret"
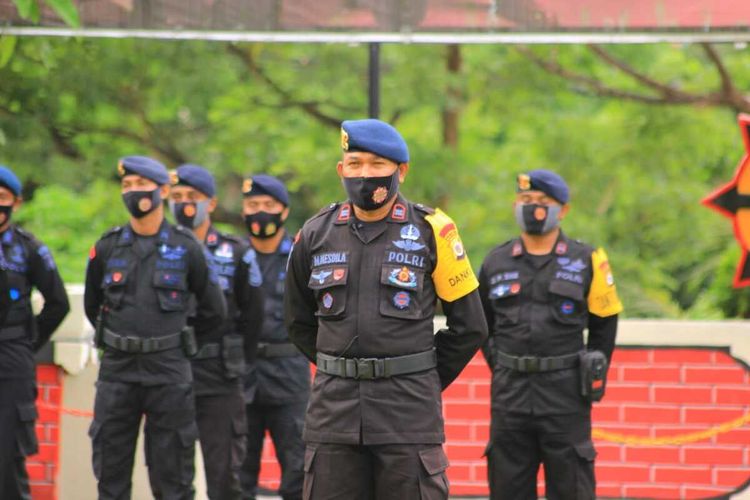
(265, 184)
(145, 167)
(196, 177)
(9, 180)
(375, 137)
(545, 181)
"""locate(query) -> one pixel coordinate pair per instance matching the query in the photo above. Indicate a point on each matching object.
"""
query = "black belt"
(208, 351)
(12, 332)
(141, 345)
(534, 364)
(372, 368)
(282, 350)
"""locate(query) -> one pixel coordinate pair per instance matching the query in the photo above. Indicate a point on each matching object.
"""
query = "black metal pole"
(374, 79)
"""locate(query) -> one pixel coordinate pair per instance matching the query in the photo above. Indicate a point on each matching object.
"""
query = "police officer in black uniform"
(224, 351)
(139, 282)
(27, 264)
(362, 284)
(539, 292)
(278, 389)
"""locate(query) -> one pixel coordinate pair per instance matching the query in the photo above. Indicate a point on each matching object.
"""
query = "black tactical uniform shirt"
(28, 264)
(369, 291)
(539, 305)
(239, 278)
(143, 285)
(283, 379)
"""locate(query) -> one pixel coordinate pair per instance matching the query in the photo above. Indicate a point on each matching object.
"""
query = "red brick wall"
(42, 467)
(652, 392)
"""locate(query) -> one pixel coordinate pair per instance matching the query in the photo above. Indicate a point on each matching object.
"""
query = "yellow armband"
(603, 299)
(453, 276)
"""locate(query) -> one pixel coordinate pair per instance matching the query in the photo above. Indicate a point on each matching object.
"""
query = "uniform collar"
(559, 248)
(127, 235)
(399, 212)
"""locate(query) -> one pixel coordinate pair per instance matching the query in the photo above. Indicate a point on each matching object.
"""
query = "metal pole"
(374, 79)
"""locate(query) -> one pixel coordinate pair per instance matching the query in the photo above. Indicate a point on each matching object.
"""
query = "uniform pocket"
(507, 310)
(566, 300)
(171, 288)
(113, 284)
(433, 485)
(400, 292)
(95, 430)
(26, 438)
(329, 284)
(187, 438)
(309, 473)
(585, 480)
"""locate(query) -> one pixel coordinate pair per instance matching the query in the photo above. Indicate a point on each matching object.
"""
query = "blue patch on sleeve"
(213, 274)
(46, 256)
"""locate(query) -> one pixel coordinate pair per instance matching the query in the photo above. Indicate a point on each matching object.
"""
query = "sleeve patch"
(603, 299)
(453, 276)
(254, 276)
(46, 256)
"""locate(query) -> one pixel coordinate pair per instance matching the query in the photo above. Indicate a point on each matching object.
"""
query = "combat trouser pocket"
(309, 473)
(585, 480)
(26, 437)
(188, 435)
(434, 484)
(95, 429)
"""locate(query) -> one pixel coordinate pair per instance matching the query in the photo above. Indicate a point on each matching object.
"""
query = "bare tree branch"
(312, 108)
(667, 95)
(734, 98)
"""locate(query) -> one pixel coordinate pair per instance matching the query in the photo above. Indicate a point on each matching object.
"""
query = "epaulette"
(231, 237)
(112, 231)
(24, 233)
(325, 210)
(424, 208)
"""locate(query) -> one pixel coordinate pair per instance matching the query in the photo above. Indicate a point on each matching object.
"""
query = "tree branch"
(312, 108)
(668, 95)
(734, 98)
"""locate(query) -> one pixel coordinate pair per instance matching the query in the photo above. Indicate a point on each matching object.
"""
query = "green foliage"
(70, 108)
(66, 9)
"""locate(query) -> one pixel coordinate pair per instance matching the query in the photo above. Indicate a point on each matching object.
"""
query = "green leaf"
(34, 11)
(67, 11)
(24, 7)
(7, 47)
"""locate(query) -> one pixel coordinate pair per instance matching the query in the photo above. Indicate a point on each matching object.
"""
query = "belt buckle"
(132, 344)
(529, 364)
(149, 345)
(365, 368)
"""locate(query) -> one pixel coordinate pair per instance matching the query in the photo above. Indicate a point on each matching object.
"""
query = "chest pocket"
(329, 284)
(506, 302)
(171, 288)
(400, 292)
(113, 284)
(566, 300)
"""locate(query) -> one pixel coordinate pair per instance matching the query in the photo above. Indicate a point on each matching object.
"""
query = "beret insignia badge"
(524, 182)
(247, 185)
(344, 140)
(120, 168)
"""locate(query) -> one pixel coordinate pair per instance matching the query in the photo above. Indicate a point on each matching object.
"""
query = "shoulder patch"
(254, 276)
(112, 232)
(603, 299)
(425, 208)
(231, 237)
(453, 275)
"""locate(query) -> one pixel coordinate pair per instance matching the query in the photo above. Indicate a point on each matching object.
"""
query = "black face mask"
(371, 193)
(263, 224)
(537, 219)
(6, 211)
(141, 203)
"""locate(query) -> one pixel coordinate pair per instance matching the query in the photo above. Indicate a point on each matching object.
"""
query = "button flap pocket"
(309, 457)
(326, 277)
(188, 435)
(402, 277)
(567, 289)
(434, 460)
(27, 412)
(170, 279)
(115, 277)
(586, 451)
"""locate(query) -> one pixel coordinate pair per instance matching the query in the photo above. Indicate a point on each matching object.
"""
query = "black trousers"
(520, 443)
(285, 423)
(382, 472)
(221, 429)
(17, 436)
(170, 434)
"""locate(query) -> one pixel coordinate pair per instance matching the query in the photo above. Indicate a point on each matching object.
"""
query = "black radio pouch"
(189, 344)
(233, 355)
(593, 371)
